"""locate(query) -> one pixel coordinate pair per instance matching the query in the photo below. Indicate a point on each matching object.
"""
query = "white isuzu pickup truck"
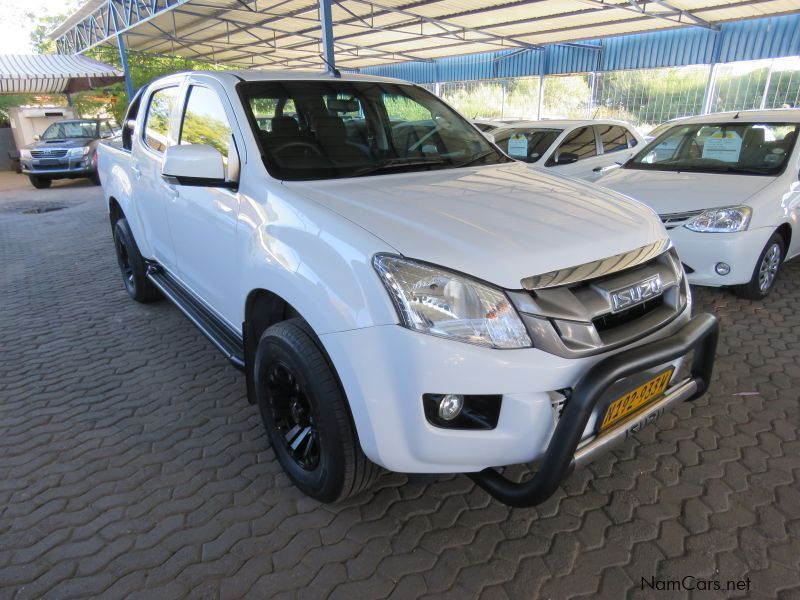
(398, 292)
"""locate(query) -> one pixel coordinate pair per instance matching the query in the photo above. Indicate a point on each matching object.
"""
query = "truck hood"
(670, 192)
(500, 223)
(60, 143)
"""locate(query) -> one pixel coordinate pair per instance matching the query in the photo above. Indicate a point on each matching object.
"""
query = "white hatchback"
(726, 187)
(582, 149)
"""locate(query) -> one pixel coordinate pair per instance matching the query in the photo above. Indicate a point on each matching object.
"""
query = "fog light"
(722, 268)
(450, 406)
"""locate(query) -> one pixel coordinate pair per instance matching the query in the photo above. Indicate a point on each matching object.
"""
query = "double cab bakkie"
(398, 292)
(66, 150)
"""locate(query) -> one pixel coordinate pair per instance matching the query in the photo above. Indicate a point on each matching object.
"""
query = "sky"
(16, 27)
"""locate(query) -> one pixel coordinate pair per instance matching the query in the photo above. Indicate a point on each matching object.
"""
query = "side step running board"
(223, 337)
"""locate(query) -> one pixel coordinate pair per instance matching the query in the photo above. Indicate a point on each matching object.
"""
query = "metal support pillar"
(326, 23)
(592, 92)
(711, 84)
(123, 58)
(541, 97)
(765, 96)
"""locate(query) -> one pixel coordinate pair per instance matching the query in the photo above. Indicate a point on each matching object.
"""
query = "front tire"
(766, 272)
(132, 265)
(306, 414)
(40, 183)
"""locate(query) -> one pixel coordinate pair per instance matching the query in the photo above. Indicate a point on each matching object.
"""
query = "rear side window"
(156, 126)
(580, 142)
(613, 138)
(205, 121)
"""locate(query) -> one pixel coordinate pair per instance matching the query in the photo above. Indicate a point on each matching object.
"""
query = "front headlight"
(439, 302)
(721, 220)
(78, 152)
(25, 154)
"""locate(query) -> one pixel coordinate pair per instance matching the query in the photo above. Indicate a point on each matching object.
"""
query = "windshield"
(331, 129)
(733, 147)
(71, 129)
(524, 143)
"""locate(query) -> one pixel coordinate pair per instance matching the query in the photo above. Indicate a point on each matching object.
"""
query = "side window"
(580, 142)
(613, 137)
(205, 121)
(156, 125)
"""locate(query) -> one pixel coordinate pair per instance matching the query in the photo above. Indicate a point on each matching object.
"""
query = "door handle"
(597, 169)
(172, 191)
(136, 171)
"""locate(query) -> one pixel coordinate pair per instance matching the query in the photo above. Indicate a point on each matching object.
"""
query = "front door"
(202, 219)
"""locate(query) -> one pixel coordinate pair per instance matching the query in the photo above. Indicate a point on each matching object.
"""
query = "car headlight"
(25, 154)
(439, 302)
(721, 220)
(78, 152)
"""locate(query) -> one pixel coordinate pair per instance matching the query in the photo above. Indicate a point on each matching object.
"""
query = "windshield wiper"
(394, 166)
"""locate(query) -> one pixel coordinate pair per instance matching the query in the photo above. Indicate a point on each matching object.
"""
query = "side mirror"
(566, 158)
(37, 137)
(197, 165)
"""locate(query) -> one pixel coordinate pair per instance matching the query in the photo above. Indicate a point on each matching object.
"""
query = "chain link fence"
(644, 97)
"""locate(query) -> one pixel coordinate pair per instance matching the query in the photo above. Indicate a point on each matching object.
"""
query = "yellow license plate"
(633, 401)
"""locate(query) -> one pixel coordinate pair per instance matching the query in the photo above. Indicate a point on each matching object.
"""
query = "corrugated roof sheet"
(287, 34)
(772, 37)
(53, 73)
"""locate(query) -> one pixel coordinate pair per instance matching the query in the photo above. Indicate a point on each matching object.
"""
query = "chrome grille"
(49, 153)
(673, 220)
(579, 319)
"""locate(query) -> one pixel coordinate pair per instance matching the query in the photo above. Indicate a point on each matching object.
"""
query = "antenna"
(333, 70)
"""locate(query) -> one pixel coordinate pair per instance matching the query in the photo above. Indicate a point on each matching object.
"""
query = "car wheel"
(306, 414)
(40, 183)
(766, 272)
(132, 266)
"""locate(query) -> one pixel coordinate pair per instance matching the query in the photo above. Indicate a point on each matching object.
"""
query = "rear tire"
(40, 183)
(132, 265)
(306, 414)
(766, 272)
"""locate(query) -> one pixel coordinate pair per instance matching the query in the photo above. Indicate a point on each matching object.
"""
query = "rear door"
(202, 219)
(583, 143)
(149, 189)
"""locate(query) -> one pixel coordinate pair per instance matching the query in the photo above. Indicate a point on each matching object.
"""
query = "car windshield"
(732, 147)
(331, 129)
(525, 143)
(70, 129)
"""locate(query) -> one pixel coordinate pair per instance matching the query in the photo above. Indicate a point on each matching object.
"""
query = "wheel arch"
(262, 309)
(115, 212)
(785, 231)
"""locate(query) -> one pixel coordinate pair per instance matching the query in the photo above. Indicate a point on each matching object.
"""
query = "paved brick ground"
(131, 464)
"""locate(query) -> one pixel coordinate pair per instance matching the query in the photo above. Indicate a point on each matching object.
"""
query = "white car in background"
(726, 187)
(582, 149)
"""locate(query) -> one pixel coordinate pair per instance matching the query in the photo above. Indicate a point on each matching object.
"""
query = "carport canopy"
(295, 34)
(53, 73)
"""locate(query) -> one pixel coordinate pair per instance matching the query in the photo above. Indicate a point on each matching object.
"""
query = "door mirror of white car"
(197, 165)
(37, 137)
(567, 158)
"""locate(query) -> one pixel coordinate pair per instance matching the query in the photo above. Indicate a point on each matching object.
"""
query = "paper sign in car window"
(723, 145)
(518, 145)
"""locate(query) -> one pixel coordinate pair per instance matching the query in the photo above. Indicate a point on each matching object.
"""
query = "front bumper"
(386, 370)
(65, 167)
(702, 251)
(563, 454)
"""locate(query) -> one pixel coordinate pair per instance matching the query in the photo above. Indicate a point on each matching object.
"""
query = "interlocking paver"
(131, 464)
